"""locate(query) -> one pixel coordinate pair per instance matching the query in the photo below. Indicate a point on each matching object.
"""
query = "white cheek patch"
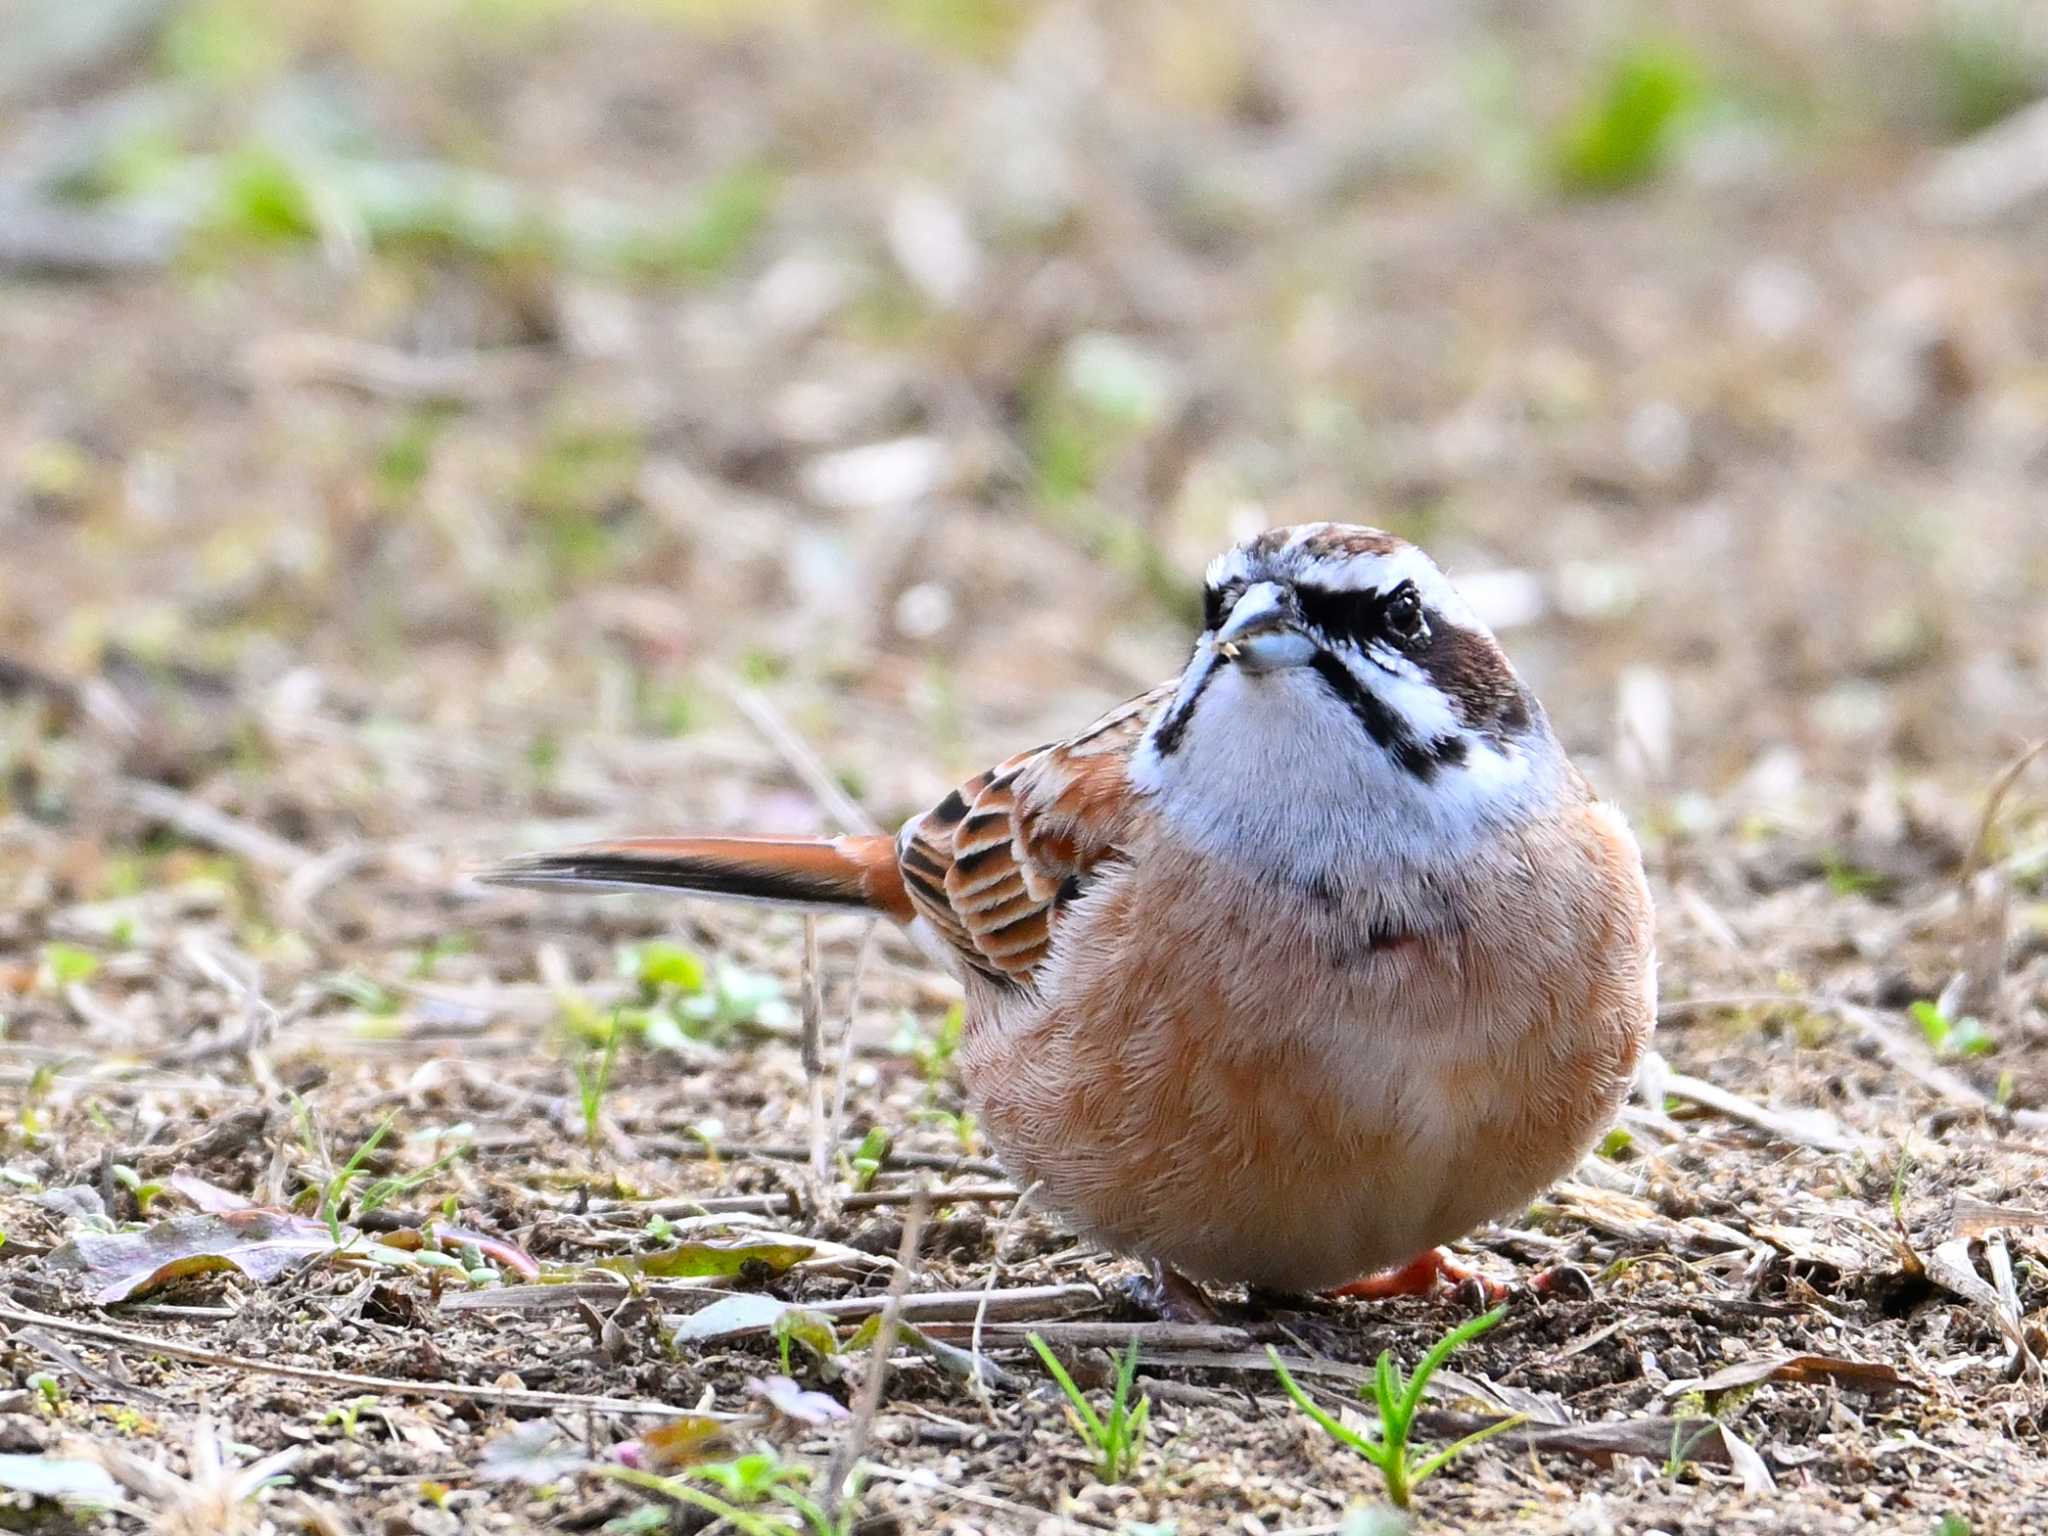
(1276, 774)
(1400, 685)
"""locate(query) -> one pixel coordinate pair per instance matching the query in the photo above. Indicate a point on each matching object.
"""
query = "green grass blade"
(682, 1493)
(1134, 1437)
(1462, 1334)
(1443, 1458)
(1376, 1454)
(361, 1154)
(1386, 1387)
(1089, 1418)
(1126, 1373)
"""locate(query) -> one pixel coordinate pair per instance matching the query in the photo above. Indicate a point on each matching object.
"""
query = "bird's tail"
(818, 873)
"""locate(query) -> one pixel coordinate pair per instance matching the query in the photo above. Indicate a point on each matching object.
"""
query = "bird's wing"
(993, 865)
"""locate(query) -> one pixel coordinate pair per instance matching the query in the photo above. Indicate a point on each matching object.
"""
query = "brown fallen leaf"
(212, 1198)
(1974, 1218)
(1866, 1375)
(265, 1245)
(676, 1444)
(1653, 1439)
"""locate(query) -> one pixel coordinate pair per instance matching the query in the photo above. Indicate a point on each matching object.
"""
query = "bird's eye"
(1402, 613)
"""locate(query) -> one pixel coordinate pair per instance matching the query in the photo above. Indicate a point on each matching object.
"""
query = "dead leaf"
(535, 1454)
(709, 1257)
(208, 1196)
(1974, 1218)
(265, 1245)
(729, 1318)
(1748, 1465)
(1866, 1375)
(815, 1409)
(1537, 1407)
(68, 1480)
(1652, 1439)
(1951, 1267)
(675, 1444)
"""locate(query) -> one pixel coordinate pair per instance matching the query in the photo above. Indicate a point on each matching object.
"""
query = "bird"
(1286, 972)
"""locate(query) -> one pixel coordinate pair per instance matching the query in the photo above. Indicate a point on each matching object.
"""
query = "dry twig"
(454, 1391)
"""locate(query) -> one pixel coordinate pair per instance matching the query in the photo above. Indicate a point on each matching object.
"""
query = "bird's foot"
(1419, 1277)
(1168, 1295)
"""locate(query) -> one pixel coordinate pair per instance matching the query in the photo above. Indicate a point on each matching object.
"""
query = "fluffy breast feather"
(1217, 1071)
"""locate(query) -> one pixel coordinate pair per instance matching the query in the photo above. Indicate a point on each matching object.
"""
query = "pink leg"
(1418, 1277)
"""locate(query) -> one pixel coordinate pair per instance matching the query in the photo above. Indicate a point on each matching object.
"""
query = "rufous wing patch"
(991, 865)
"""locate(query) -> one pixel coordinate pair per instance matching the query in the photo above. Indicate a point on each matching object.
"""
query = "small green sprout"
(64, 964)
(348, 1415)
(1848, 879)
(1951, 1037)
(866, 1159)
(810, 1331)
(965, 1129)
(1622, 134)
(41, 1079)
(49, 1390)
(752, 1479)
(1398, 1402)
(933, 1052)
(144, 1191)
(372, 996)
(1689, 1409)
(594, 1080)
(734, 998)
(445, 947)
(1118, 1440)
(657, 966)
(334, 1193)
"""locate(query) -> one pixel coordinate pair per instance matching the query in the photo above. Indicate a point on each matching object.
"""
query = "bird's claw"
(1167, 1295)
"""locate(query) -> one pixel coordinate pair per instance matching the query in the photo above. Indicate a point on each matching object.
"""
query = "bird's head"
(1340, 674)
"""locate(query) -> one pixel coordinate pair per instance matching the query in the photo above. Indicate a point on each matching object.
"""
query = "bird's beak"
(1261, 633)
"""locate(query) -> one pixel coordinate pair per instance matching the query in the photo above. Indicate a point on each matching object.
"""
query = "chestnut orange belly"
(1293, 1108)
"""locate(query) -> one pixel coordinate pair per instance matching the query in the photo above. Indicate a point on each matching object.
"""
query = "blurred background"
(496, 375)
(433, 428)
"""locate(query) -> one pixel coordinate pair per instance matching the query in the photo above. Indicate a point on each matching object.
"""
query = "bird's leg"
(1419, 1276)
(1169, 1295)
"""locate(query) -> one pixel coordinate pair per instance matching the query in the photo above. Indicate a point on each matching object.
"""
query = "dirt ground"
(429, 432)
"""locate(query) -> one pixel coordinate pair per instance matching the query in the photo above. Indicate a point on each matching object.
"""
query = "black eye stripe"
(1361, 617)
(1215, 604)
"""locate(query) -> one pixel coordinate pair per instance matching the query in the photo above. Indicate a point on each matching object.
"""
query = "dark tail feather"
(818, 872)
